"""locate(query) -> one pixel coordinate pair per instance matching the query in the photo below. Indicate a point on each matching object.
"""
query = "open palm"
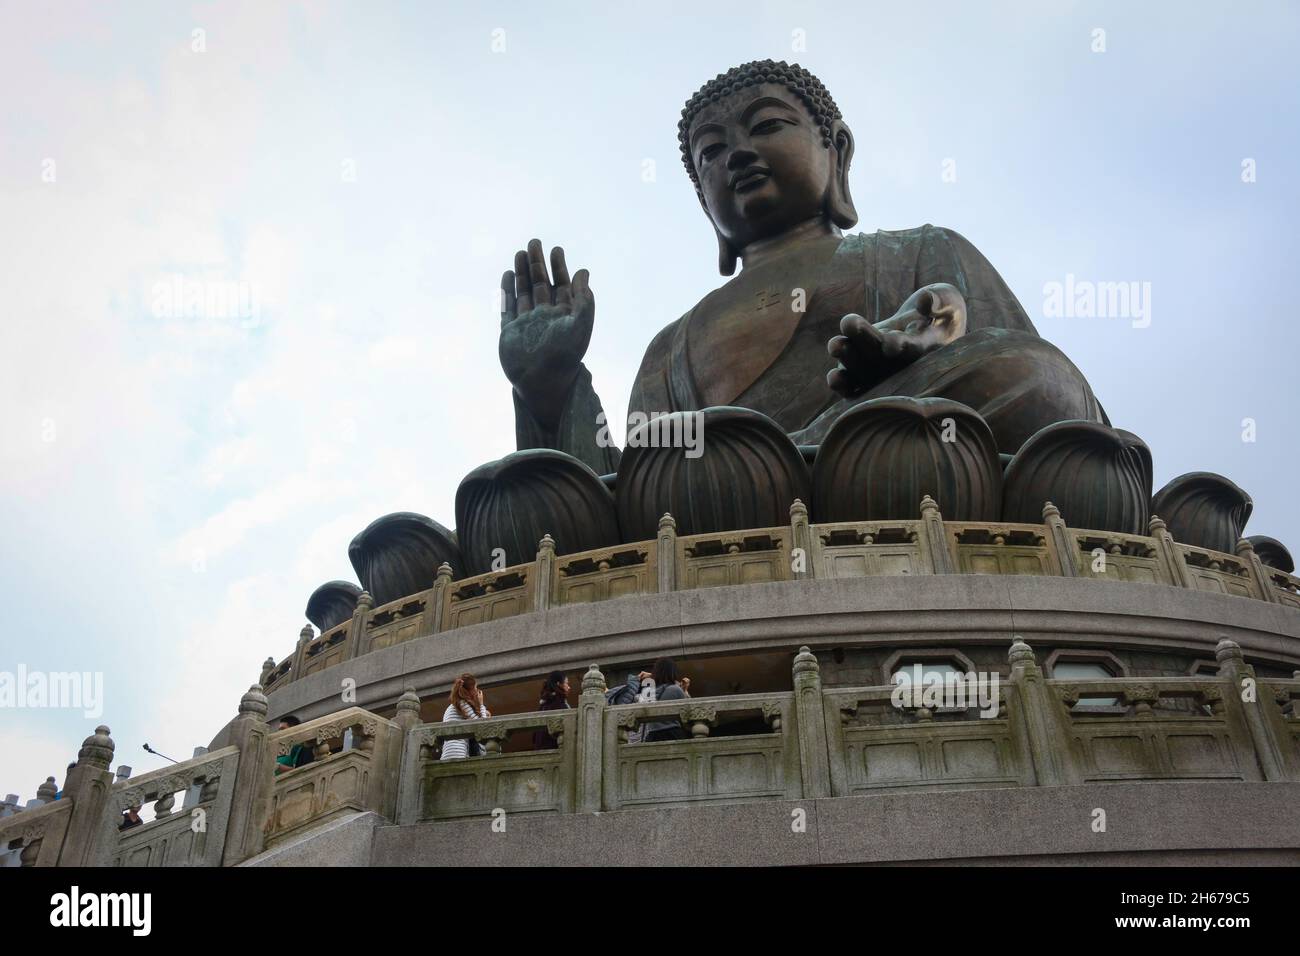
(545, 328)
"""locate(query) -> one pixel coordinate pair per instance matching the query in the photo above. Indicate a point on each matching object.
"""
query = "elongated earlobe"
(727, 256)
(839, 202)
(727, 253)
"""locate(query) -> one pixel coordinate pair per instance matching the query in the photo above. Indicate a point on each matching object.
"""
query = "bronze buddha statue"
(858, 375)
(816, 322)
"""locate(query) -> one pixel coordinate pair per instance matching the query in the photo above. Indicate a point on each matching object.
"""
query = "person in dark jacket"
(131, 818)
(668, 686)
(555, 696)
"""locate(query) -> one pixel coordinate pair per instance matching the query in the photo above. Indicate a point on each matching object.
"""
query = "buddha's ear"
(727, 254)
(839, 204)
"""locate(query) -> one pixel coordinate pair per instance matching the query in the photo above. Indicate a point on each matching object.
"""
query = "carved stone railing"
(192, 834)
(1122, 557)
(878, 747)
(523, 781)
(397, 622)
(328, 649)
(741, 557)
(223, 796)
(1219, 573)
(806, 743)
(1154, 738)
(605, 573)
(707, 766)
(817, 741)
(361, 777)
(1285, 587)
(37, 832)
(1001, 548)
(799, 551)
(861, 549)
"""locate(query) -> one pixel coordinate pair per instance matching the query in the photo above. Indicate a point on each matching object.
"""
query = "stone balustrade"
(818, 741)
(523, 781)
(338, 778)
(176, 836)
(37, 834)
(799, 551)
(1016, 730)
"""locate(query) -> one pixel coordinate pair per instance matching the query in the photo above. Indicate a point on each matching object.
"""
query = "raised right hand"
(545, 329)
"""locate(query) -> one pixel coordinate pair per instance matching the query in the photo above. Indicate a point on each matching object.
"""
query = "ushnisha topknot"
(790, 75)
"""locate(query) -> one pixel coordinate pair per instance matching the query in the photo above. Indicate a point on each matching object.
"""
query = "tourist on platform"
(628, 692)
(667, 686)
(130, 818)
(299, 754)
(466, 704)
(555, 696)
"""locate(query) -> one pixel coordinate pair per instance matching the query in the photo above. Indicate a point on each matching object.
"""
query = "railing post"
(801, 539)
(254, 779)
(305, 637)
(1262, 721)
(1062, 541)
(1049, 741)
(194, 795)
(1170, 556)
(545, 573)
(409, 784)
(90, 784)
(666, 554)
(357, 626)
(590, 742)
(810, 725)
(1246, 551)
(441, 583)
(936, 538)
(267, 667)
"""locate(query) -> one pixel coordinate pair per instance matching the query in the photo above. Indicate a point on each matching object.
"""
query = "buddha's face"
(761, 163)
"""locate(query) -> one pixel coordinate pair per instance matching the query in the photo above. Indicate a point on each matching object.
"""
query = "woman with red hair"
(466, 704)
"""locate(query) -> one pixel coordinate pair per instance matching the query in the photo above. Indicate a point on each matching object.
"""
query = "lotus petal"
(510, 504)
(1272, 553)
(399, 554)
(332, 603)
(881, 457)
(745, 473)
(1098, 477)
(1204, 510)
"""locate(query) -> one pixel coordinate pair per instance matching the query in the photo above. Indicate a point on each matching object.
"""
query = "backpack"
(624, 693)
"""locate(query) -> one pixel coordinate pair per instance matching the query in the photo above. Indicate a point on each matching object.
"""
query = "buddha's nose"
(741, 157)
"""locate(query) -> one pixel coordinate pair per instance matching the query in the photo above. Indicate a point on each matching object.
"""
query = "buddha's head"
(767, 150)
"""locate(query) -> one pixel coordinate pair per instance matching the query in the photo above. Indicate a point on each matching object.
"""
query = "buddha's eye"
(708, 152)
(768, 126)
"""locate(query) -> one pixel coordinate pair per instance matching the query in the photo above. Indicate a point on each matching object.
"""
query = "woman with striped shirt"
(466, 704)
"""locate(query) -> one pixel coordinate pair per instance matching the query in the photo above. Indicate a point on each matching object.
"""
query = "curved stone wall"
(895, 613)
(819, 584)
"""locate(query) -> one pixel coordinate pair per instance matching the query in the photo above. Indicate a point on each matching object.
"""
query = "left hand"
(932, 316)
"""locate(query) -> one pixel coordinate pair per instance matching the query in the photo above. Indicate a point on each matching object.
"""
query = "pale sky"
(173, 487)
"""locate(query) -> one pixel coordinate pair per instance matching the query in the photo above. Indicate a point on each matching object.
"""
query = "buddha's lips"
(749, 178)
